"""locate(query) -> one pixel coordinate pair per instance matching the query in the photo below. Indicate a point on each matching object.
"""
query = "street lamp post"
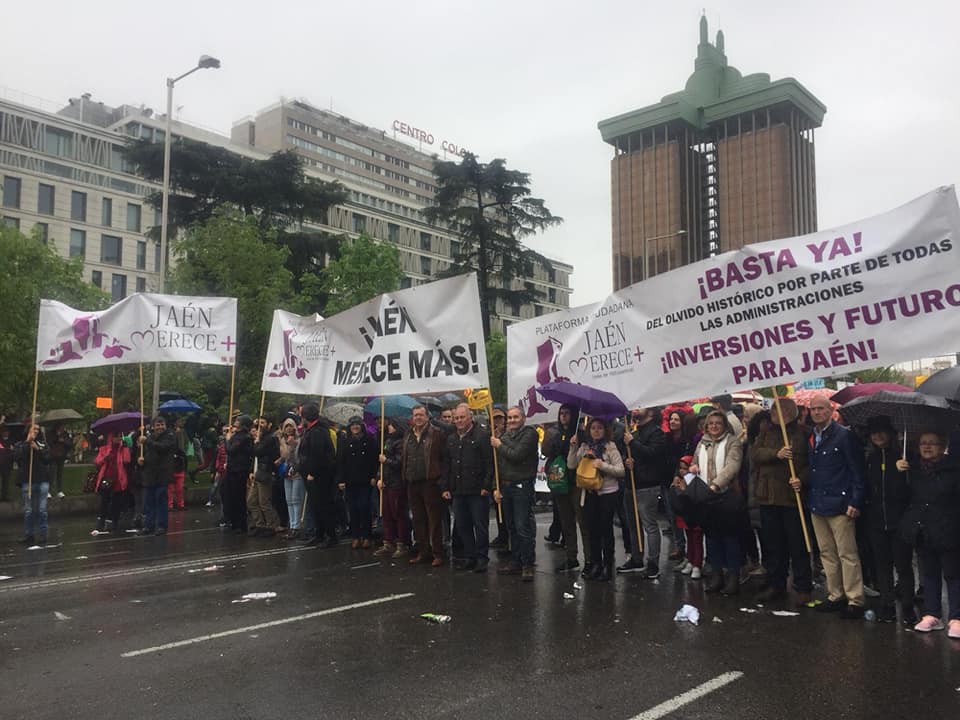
(657, 239)
(204, 63)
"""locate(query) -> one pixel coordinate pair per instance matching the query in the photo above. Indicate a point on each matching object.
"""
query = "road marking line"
(358, 567)
(665, 708)
(71, 580)
(272, 623)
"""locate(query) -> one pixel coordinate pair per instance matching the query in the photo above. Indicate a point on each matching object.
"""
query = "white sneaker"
(61, 494)
(208, 504)
(695, 574)
(688, 569)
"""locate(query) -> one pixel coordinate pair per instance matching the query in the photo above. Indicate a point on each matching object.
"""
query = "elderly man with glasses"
(835, 495)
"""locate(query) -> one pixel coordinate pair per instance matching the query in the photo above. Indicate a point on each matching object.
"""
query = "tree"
(490, 208)
(497, 366)
(364, 270)
(276, 192)
(226, 255)
(31, 270)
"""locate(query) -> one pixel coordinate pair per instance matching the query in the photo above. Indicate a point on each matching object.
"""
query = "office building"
(63, 172)
(725, 162)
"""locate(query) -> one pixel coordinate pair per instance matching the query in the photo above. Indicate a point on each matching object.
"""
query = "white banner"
(425, 339)
(141, 328)
(875, 292)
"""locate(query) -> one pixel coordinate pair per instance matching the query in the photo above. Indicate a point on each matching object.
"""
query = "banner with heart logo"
(428, 338)
(142, 328)
(876, 292)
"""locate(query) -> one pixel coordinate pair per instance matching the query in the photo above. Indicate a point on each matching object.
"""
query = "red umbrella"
(861, 389)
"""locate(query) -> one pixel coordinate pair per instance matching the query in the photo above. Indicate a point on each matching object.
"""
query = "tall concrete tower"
(726, 162)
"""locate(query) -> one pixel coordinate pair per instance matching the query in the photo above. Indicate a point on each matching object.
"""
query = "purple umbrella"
(591, 401)
(860, 389)
(117, 423)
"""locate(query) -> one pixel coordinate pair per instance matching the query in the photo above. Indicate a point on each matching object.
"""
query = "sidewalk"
(89, 503)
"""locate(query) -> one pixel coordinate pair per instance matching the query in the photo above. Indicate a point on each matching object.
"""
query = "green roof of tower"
(715, 90)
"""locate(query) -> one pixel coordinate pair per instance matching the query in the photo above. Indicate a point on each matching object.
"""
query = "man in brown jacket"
(421, 463)
(780, 527)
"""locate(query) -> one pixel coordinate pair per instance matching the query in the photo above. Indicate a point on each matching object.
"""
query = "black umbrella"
(908, 412)
(945, 383)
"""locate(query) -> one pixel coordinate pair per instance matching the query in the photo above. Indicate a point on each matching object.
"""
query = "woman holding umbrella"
(931, 523)
(600, 504)
(112, 463)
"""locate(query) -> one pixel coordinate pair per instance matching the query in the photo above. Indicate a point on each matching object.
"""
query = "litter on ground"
(687, 613)
(716, 619)
(60, 616)
(434, 618)
(748, 610)
(785, 613)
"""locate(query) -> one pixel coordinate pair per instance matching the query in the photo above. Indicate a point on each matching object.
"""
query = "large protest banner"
(871, 293)
(424, 339)
(143, 328)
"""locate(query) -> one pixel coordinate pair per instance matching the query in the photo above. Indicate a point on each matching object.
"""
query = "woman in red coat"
(112, 463)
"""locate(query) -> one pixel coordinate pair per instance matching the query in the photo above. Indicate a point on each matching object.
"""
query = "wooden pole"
(633, 486)
(263, 398)
(793, 472)
(142, 428)
(322, 399)
(382, 429)
(496, 466)
(33, 422)
(233, 377)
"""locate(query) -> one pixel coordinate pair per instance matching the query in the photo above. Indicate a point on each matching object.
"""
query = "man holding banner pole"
(519, 459)
(318, 466)
(468, 481)
(647, 447)
(157, 464)
(422, 462)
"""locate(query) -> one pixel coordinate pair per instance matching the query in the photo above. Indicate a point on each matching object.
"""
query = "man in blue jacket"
(835, 495)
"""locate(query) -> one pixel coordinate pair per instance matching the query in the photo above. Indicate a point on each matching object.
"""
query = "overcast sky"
(526, 80)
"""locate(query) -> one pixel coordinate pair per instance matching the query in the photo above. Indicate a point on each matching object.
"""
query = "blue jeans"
(155, 507)
(36, 505)
(358, 500)
(294, 488)
(518, 500)
(472, 515)
(724, 551)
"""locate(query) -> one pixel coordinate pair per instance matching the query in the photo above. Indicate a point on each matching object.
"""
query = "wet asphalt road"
(81, 624)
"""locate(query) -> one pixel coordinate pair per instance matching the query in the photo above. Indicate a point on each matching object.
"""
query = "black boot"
(606, 572)
(732, 585)
(587, 570)
(596, 572)
(716, 582)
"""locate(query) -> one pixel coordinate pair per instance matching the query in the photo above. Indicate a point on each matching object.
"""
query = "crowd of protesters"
(718, 487)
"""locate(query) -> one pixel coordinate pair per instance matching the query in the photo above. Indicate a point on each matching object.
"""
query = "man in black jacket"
(33, 463)
(318, 466)
(647, 446)
(239, 467)
(519, 457)
(157, 463)
(262, 517)
(468, 479)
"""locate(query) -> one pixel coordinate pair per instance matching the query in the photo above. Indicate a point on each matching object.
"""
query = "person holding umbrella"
(888, 494)
(112, 462)
(600, 504)
(931, 523)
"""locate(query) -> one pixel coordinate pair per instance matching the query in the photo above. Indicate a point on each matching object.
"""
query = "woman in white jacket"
(717, 461)
(599, 505)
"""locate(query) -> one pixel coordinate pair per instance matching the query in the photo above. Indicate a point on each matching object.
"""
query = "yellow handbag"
(588, 477)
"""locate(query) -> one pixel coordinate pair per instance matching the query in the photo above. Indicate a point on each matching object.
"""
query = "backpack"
(557, 476)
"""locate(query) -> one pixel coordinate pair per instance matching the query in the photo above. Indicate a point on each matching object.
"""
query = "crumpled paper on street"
(687, 613)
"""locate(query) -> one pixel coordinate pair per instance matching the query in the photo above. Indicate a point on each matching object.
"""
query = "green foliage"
(883, 375)
(204, 178)
(497, 366)
(276, 192)
(491, 209)
(30, 271)
(364, 270)
(228, 256)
